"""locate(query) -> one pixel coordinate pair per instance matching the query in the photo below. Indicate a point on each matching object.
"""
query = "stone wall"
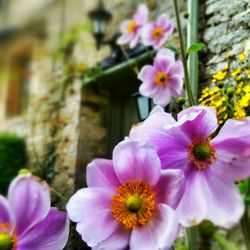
(225, 29)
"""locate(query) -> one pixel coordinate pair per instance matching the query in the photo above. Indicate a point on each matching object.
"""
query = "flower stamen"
(201, 153)
(131, 27)
(157, 33)
(161, 78)
(8, 237)
(134, 203)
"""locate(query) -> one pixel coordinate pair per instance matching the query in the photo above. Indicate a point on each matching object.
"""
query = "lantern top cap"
(100, 13)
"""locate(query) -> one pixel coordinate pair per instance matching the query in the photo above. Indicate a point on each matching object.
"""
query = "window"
(18, 87)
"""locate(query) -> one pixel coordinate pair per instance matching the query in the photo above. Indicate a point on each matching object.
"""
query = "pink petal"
(176, 85)
(171, 145)
(198, 122)
(135, 40)
(117, 241)
(124, 26)
(141, 15)
(192, 208)
(6, 215)
(91, 209)
(173, 153)
(148, 89)
(164, 60)
(162, 96)
(96, 197)
(232, 146)
(233, 165)
(152, 128)
(212, 197)
(159, 233)
(177, 69)
(163, 21)
(146, 32)
(147, 73)
(136, 160)
(166, 53)
(169, 189)
(100, 173)
(157, 44)
(235, 136)
(29, 198)
(124, 39)
(224, 203)
(50, 234)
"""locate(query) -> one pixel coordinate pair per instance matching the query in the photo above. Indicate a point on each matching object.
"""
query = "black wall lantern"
(99, 18)
(144, 106)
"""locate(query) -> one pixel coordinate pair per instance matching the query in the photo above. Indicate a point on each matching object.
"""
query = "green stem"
(245, 229)
(191, 238)
(224, 243)
(184, 55)
(58, 194)
(245, 223)
(192, 30)
(135, 68)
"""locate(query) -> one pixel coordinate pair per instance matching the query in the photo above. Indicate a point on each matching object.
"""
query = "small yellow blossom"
(214, 98)
(236, 72)
(226, 67)
(238, 78)
(220, 75)
(248, 73)
(242, 56)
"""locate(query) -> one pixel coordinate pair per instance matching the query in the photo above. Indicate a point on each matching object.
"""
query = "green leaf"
(174, 49)
(195, 47)
(243, 186)
(224, 243)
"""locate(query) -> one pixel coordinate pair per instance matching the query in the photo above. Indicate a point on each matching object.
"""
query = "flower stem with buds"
(184, 55)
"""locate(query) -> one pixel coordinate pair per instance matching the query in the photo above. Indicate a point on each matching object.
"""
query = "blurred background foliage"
(13, 156)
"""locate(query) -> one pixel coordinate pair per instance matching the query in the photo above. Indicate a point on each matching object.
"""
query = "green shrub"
(13, 156)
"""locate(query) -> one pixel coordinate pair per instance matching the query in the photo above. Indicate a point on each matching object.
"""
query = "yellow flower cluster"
(242, 56)
(242, 104)
(216, 99)
(236, 72)
(220, 75)
(229, 94)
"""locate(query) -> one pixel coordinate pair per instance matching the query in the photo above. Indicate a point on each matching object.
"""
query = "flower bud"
(23, 171)
(221, 85)
(230, 92)
(206, 229)
(181, 101)
(186, 15)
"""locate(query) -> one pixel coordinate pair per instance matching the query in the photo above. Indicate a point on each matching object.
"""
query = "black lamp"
(100, 18)
(144, 106)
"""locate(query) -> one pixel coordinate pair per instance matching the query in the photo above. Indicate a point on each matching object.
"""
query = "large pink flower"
(131, 29)
(164, 79)
(26, 219)
(211, 165)
(156, 33)
(129, 202)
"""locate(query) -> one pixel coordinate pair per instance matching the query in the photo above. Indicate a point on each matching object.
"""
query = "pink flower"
(162, 80)
(129, 202)
(131, 29)
(211, 165)
(157, 33)
(26, 219)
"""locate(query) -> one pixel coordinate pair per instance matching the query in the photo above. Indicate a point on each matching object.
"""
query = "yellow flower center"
(133, 204)
(161, 78)
(157, 33)
(131, 27)
(7, 241)
(201, 153)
